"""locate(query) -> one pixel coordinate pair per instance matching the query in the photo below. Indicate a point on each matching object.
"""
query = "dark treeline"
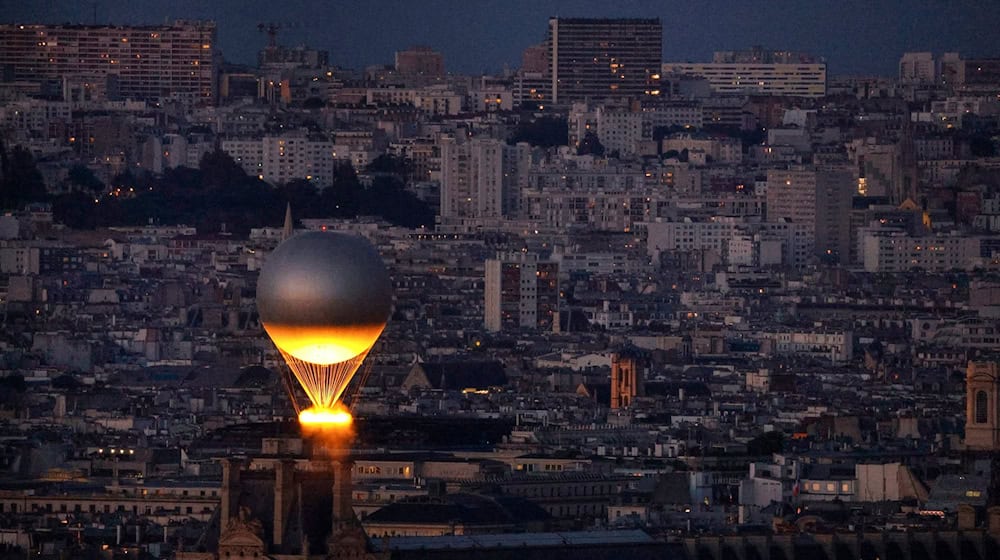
(218, 195)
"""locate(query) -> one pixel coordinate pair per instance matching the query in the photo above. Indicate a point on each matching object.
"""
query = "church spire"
(287, 231)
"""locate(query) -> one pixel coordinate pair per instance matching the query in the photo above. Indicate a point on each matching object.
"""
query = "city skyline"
(853, 37)
(607, 305)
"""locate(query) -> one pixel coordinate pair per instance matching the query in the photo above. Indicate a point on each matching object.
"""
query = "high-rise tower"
(604, 58)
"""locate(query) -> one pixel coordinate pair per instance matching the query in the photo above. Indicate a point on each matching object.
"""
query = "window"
(982, 401)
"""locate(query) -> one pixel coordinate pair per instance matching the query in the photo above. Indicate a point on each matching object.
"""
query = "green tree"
(219, 169)
(387, 198)
(304, 198)
(546, 132)
(982, 146)
(82, 177)
(390, 164)
(342, 199)
(76, 210)
(590, 144)
(21, 181)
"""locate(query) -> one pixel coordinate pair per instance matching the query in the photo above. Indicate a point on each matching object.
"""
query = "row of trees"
(20, 181)
(216, 195)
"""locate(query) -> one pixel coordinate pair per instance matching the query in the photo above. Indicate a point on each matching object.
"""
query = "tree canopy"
(82, 177)
(546, 132)
(590, 144)
(20, 180)
(220, 195)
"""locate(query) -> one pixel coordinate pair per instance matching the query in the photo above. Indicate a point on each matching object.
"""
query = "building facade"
(797, 80)
(887, 250)
(169, 62)
(482, 177)
(284, 158)
(917, 68)
(604, 58)
(522, 292)
(819, 197)
(420, 61)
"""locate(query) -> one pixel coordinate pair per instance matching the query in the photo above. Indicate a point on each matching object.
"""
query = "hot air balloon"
(324, 299)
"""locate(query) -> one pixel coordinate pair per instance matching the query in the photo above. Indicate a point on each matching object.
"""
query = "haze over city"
(855, 36)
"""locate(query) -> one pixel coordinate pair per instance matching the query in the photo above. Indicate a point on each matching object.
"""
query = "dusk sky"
(855, 37)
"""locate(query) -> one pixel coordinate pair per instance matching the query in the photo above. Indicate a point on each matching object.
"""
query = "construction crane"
(272, 32)
(272, 28)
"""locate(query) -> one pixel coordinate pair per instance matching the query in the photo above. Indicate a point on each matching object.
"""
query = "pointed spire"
(287, 232)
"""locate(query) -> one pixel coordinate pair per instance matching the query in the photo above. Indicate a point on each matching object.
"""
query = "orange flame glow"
(325, 418)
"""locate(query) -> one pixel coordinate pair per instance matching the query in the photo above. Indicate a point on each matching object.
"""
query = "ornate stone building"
(284, 508)
(626, 379)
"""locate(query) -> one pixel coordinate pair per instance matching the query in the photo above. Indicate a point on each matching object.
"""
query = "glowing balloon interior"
(324, 299)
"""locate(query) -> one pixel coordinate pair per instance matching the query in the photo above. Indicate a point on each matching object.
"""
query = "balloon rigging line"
(324, 383)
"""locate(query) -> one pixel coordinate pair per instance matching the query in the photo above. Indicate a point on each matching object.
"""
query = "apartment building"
(164, 62)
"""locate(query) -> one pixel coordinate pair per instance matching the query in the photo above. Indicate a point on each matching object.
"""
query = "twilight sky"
(855, 36)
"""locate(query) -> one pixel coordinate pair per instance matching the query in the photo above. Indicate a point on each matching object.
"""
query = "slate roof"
(466, 509)
(464, 374)
(952, 490)
(515, 540)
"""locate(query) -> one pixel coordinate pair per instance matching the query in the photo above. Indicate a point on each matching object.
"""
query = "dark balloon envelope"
(324, 297)
(321, 278)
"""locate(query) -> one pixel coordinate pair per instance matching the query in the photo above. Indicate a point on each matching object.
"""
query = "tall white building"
(819, 197)
(482, 177)
(175, 150)
(284, 158)
(521, 292)
(734, 241)
(895, 251)
(603, 58)
(627, 129)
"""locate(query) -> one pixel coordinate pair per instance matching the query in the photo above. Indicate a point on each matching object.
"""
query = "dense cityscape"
(738, 308)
